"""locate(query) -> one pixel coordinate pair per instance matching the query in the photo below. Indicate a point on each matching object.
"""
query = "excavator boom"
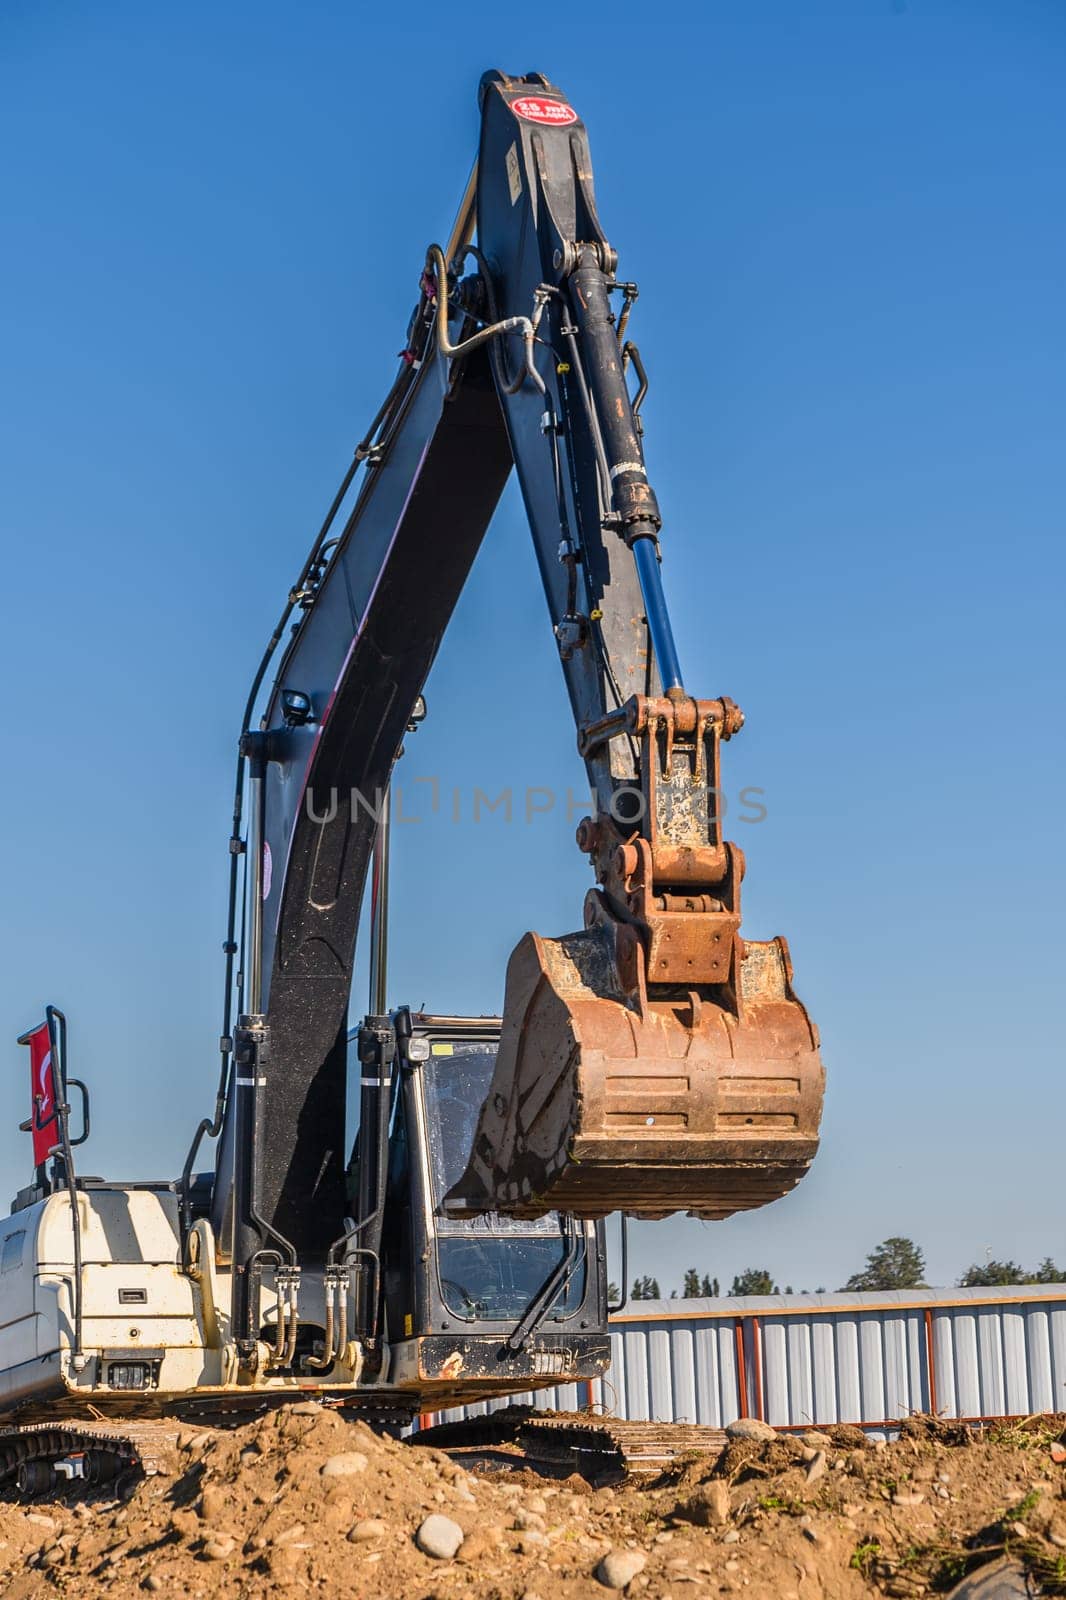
(653, 1061)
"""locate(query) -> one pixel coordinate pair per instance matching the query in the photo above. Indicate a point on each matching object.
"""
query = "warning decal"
(552, 113)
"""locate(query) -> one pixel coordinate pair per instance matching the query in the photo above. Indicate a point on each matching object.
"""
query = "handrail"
(63, 1151)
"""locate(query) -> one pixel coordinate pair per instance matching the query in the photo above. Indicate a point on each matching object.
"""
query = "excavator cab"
(496, 1302)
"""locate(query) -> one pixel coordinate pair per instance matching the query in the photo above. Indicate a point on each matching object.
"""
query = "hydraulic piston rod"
(649, 572)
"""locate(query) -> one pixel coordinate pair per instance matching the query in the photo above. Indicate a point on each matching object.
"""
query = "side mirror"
(76, 1083)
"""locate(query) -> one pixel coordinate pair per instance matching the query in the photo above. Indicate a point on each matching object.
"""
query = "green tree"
(982, 1275)
(754, 1280)
(614, 1294)
(987, 1274)
(696, 1287)
(895, 1264)
(646, 1289)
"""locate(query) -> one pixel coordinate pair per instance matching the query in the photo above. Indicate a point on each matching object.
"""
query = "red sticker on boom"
(552, 113)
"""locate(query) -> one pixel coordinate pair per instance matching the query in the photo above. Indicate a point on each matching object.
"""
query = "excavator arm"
(654, 1060)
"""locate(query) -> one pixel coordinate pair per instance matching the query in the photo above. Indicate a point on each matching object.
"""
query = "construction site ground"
(304, 1502)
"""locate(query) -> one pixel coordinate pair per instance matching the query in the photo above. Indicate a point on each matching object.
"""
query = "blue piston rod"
(617, 442)
(649, 571)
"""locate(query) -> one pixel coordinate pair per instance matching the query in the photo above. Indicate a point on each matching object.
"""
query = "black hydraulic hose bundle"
(211, 1127)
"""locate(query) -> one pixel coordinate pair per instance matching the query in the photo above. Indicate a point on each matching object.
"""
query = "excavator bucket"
(656, 1062)
(599, 1104)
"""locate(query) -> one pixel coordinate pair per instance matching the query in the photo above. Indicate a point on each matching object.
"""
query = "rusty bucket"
(605, 1100)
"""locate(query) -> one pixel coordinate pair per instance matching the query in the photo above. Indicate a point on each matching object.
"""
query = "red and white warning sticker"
(552, 113)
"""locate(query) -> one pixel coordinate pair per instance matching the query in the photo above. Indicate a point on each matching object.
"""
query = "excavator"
(408, 1215)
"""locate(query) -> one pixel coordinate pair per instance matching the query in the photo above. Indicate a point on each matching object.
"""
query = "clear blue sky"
(848, 224)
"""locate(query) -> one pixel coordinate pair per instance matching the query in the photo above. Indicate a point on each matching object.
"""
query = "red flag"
(42, 1092)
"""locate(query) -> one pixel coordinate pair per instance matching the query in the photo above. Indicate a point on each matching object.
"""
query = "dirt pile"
(303, 1502)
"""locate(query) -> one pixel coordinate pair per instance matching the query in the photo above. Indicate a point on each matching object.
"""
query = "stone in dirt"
(1004, 1581)
(816, 1466)
(368, 1528)
(439, 1537)
(345, 1465)
(750, 1428)
(709, 1505)
(619, 1567)
(219, 1548)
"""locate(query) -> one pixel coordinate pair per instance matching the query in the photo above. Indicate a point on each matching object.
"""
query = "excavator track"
(37, 1457)
(76, 1453)
(602, 1449)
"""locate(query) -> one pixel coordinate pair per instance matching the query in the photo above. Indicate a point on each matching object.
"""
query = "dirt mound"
(304, 1502)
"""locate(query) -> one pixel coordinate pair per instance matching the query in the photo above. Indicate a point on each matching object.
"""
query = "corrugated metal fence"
(797, 1360)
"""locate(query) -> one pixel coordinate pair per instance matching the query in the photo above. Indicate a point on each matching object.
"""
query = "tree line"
(895, 1263)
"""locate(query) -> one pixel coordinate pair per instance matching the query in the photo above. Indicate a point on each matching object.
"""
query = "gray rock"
(816, 1466)
(619, 1567)
(1005, 1580)
(732, 1537)
(819, 1441)
(345, 1465)
(750, 1428)
(439, 1537)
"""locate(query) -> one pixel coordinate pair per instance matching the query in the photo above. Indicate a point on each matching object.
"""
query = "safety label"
(553, 113)
(514, 172)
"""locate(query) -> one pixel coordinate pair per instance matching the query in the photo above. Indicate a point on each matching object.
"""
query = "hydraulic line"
(211, 1127)
(494, 330)
(621, 457)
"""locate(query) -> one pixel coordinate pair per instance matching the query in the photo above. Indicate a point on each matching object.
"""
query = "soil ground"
(252, 1513)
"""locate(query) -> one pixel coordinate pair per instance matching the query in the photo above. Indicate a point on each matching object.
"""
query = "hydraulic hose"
(523, 325)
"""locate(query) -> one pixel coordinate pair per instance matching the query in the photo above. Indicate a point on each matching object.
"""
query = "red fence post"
(930, 1356)
(742, 1368)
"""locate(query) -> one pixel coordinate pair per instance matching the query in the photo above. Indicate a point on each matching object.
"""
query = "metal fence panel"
(802, 1360)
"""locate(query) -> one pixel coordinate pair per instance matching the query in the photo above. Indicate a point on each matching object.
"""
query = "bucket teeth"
(604, 1100)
